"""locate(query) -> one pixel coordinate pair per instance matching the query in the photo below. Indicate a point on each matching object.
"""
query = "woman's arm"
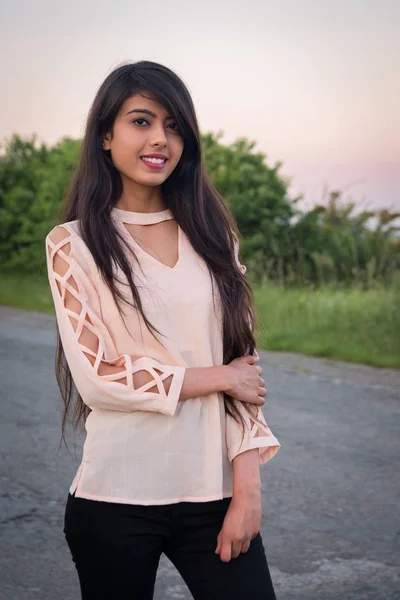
(118, 381)
(242, 521)
(256, 435)
(246, 473)
(201, 381)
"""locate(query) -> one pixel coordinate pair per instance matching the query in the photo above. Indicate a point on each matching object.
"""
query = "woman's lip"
(154, 165)
(151, 156)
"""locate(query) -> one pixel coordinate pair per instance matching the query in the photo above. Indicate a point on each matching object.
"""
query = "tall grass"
(30, 292)
(346, 324)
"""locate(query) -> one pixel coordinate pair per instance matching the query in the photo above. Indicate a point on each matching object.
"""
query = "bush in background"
(280, 243)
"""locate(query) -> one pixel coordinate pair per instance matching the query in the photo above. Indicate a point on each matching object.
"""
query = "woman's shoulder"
(68, 235)
(63, 230)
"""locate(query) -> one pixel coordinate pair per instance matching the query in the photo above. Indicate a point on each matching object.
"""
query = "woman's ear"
(106, 142)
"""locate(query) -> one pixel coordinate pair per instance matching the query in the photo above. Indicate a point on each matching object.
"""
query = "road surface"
(331, 514)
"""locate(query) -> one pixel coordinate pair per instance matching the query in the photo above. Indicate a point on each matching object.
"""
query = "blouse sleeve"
(256, 435)
(105, 383)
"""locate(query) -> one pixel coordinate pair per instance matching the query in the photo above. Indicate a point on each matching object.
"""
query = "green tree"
(33, 180)
(258, 197)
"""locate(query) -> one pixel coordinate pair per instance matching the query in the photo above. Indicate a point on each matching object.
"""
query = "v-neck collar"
(121, 216)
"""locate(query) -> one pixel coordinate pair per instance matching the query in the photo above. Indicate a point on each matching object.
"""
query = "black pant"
(116, 549)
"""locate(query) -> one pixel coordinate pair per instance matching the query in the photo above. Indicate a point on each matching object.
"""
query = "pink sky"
(316, 85)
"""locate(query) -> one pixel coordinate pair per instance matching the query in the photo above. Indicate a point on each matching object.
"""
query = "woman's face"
(138, 133)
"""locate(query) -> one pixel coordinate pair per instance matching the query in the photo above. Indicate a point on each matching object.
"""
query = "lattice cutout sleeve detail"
(256, 436)
(105, 384)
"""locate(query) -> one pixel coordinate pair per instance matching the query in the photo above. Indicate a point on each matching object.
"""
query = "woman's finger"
(219, 543)
(226, 550)
(236, 548)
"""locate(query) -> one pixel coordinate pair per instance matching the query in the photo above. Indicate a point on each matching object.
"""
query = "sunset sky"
(315, 84)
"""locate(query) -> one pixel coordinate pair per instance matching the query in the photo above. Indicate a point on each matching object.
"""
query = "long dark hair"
(196, 205)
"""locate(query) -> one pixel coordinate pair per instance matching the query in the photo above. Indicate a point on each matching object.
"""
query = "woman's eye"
(140, 119)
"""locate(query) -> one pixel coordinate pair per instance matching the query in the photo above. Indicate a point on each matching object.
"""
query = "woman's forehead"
(144, 100)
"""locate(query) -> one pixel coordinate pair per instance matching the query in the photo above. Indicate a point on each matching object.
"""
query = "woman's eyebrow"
(148, 112)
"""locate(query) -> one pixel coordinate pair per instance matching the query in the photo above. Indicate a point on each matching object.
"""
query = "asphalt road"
(330, 497)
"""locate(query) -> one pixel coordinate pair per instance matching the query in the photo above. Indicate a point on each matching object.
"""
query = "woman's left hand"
(241, 524)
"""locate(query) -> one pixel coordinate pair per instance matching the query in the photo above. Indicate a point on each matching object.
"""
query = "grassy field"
(24, 291)
(351, 325)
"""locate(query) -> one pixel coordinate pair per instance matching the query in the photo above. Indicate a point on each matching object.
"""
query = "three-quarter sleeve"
(255, 435)
(103, 377)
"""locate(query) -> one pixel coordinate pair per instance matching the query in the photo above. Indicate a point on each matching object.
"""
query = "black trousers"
(116, 549)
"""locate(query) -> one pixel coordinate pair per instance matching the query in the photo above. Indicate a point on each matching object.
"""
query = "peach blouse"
(147, 447)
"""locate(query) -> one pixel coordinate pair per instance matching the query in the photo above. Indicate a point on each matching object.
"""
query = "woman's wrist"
(248, 489)
(202, 381)
(227, 375)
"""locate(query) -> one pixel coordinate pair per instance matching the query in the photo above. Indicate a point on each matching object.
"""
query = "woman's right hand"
(246, 384)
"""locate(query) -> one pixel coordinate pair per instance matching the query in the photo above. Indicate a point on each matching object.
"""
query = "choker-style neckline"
(139, 218)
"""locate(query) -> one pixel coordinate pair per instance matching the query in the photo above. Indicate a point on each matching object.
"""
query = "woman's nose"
(158, 135)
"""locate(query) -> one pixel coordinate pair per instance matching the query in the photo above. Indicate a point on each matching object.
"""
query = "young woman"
(155, 322)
